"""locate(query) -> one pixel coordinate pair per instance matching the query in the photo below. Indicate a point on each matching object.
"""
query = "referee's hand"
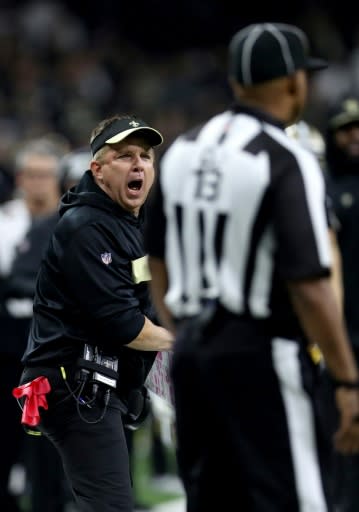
(346, 439)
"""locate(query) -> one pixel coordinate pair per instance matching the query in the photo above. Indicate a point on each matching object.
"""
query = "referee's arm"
(155, 246)
(158, 286)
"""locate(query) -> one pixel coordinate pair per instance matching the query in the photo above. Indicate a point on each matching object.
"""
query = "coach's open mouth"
(135, 184)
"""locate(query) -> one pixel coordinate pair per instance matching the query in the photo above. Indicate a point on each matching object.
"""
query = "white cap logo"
(134, 124)
(106, 258)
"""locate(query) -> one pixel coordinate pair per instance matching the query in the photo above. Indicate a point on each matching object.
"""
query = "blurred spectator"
(6, 185)
(73, 166)
(342, 156)
(36, 195)
(64, 66)
(49, 489)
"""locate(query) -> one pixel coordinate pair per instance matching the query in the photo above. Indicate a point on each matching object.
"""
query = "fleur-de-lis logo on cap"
(106, 258)
(134, 124)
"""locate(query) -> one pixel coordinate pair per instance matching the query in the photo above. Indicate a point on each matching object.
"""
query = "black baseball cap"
(264, 51)
(344, 112)
(119, 129)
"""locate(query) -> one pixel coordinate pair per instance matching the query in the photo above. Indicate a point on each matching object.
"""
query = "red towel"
(35, 397)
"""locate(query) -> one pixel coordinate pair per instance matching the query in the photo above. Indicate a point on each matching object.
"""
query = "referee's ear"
(292, 85)
(297, 83)
(237, 89)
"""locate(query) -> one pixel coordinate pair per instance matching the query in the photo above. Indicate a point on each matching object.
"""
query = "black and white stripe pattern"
(301, 426)
(242, 210)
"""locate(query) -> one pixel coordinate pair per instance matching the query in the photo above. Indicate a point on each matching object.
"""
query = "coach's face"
(125, 171)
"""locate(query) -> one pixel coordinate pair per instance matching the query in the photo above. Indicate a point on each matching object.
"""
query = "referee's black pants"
(250, 429)
(94, 453)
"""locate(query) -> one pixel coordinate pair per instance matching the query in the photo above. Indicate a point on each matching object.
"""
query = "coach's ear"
(96, 169)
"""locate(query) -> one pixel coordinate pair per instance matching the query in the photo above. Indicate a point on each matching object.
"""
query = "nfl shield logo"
(106, 257)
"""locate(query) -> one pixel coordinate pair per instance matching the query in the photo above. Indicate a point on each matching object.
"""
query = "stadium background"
(65, 65)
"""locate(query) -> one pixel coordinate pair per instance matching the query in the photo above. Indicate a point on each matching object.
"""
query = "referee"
(241, 261)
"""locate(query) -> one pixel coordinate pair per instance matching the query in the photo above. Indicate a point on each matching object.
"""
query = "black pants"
(49, 489)
(93, 450)
(249, 430)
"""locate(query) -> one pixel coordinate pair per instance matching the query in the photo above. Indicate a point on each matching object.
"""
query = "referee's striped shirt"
(238, 209)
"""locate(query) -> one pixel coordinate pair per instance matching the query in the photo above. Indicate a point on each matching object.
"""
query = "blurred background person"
(72, 166)
(35, 197)
(342, 158)
(47, 486)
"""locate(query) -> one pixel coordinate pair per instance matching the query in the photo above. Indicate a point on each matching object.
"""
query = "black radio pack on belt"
(100, 371)
(97, 368)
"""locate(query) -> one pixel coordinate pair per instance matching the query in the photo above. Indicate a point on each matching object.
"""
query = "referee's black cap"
(264, 51)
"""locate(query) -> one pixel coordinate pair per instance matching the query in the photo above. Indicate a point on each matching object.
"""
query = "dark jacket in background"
(343, 188)
(20, 284)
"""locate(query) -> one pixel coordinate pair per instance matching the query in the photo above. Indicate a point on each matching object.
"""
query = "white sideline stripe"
(301, 426)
